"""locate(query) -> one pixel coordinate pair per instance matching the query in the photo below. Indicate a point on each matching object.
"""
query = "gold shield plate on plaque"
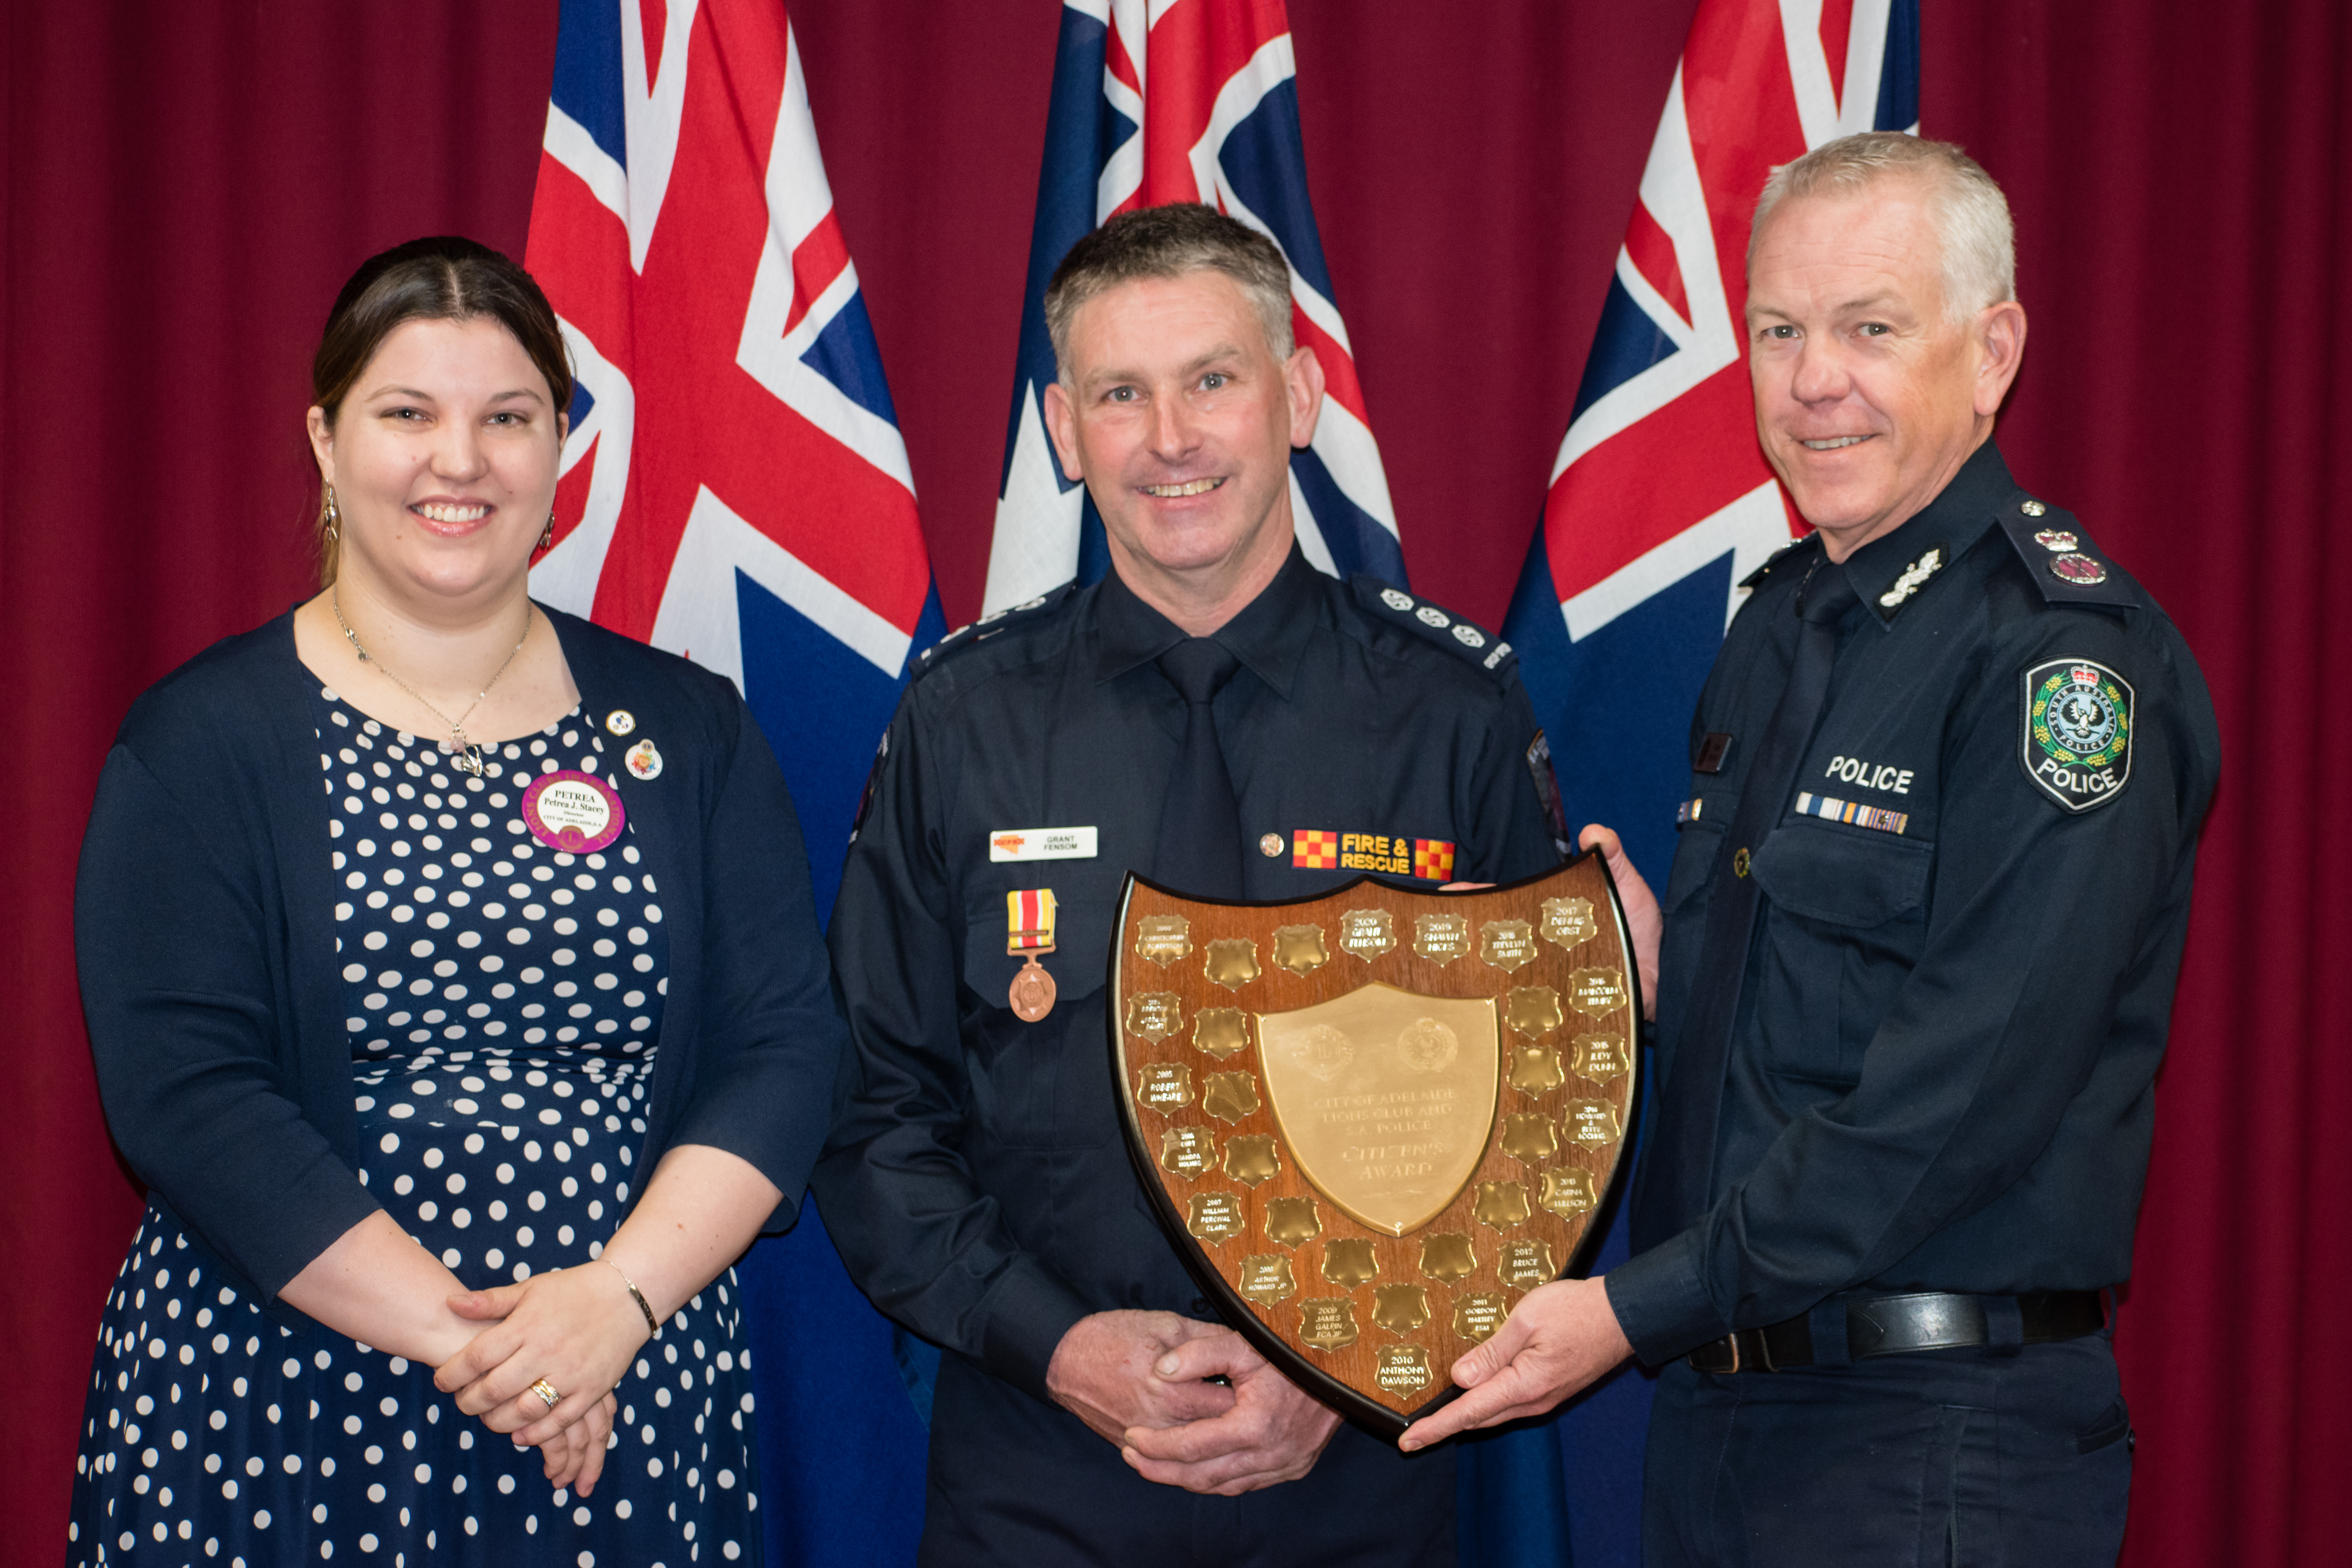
(1600, 1057)
(1299, 948)
(1534, 1070)
(1266, 1279)
(1155, 1014)
(1501, 1205)
(1402, 1369)
(1367, 934)
(1509, 945)
(1528, 1263)
(1187, 1151)
(1163, 939)
(1476, 1316)
(1221, 1031)
(1567, 1190)
(1290, 1221)
(1569, 922)
(1348, 1262)
(1595, 991)
(1230, 1096)
(1441, 939)
(1400, 1309)
(1533, 1011)
(1385, 1097)
(1327, 1324)
(1215, 1217)
(1232, 962)
(1446, 1256)
(1593, 1124)
(1527, 1135)
(1251, 1160)
(1165, 1086)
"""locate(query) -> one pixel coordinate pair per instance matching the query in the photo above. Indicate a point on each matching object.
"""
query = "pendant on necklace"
(467, 755)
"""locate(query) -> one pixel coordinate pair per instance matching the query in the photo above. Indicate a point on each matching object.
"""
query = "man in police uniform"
(1217, 714)
(1921, 935)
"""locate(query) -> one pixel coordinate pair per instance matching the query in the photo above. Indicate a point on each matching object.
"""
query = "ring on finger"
(546, 1391)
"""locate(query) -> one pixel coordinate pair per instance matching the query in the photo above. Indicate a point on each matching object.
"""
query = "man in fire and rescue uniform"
(1220, 715)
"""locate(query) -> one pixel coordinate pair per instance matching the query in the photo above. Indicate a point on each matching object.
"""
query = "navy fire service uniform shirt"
(976, 1183)
(1971, 915)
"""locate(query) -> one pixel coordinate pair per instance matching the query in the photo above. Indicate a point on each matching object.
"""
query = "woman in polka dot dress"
(456, 1079)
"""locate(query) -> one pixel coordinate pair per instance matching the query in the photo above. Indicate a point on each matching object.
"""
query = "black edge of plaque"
(1366, 1414)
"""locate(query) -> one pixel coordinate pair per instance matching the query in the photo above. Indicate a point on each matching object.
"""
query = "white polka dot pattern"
(504, 1004)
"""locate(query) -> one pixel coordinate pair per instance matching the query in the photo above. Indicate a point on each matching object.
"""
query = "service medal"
(1029, 931)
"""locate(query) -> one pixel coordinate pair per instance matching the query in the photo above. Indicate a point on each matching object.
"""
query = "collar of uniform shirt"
(1963, 512)
(1270, 635)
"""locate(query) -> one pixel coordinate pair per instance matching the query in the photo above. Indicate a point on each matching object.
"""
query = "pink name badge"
(573, 811)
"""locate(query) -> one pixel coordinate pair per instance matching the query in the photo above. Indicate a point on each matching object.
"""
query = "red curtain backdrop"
(186, 187)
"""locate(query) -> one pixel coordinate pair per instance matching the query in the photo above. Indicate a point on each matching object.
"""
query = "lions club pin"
(643, 760)
(571, 811)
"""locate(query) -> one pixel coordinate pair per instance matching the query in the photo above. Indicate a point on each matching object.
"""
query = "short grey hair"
(1969, 213)
(1169, 242)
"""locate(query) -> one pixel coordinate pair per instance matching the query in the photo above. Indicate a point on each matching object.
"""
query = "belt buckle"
(1728, 1342)
(1763, 1361)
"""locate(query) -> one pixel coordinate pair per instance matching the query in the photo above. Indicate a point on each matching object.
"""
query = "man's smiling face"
(1180, 419)
(1868, 396)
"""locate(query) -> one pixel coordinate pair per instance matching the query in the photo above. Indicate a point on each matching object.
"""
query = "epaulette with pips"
(1472, 643)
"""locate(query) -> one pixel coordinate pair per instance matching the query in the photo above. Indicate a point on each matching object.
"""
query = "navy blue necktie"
(1681, 1168)
(1200, 849)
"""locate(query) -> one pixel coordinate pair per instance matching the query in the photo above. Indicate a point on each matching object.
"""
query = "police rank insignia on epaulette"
(2076, 746)
(1913, 578)
(2067, 567)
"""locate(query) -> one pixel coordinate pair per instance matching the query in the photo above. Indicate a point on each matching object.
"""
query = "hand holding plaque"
(1374, 1122)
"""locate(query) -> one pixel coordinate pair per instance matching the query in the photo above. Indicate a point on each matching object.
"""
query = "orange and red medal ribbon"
(1029, 931)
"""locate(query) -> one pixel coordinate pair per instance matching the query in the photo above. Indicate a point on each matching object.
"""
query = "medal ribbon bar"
(1029, 921)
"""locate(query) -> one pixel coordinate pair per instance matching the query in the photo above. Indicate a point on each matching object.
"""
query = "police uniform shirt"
(976, 1183)
(1970, 918)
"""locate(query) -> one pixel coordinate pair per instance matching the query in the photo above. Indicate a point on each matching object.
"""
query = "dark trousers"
(1014, 1481)
(1947, 1457)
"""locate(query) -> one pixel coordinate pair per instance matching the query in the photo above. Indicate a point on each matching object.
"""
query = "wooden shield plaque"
(1371, 1122)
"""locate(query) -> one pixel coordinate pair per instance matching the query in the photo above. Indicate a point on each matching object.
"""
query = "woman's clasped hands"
(569, 1334)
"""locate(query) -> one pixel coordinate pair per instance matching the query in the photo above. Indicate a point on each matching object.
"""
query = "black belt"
(1898, 1325)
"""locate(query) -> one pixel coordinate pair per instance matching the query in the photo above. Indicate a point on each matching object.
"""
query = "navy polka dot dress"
(503, 1004)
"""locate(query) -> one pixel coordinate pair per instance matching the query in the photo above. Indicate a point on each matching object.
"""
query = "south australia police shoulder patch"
(2078, 740)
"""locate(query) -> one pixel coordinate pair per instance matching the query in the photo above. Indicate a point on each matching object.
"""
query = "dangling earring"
(547, 534)
(329, 520)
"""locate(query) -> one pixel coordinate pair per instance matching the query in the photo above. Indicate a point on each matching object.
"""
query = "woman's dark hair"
(446, 277)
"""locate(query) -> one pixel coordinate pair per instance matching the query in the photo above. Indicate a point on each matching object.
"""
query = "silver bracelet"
(652, 1327)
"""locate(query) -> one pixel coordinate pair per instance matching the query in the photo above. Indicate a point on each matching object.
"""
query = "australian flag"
(734, 489)
(1193, 100)
(1661, 500)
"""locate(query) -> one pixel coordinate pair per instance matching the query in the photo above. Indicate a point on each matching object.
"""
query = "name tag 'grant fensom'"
(1042, 844)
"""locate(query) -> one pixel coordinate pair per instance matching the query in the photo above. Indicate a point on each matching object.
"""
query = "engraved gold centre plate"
(1385, 1097)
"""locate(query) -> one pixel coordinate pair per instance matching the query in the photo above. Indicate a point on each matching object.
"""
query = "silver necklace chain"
(469, 754)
